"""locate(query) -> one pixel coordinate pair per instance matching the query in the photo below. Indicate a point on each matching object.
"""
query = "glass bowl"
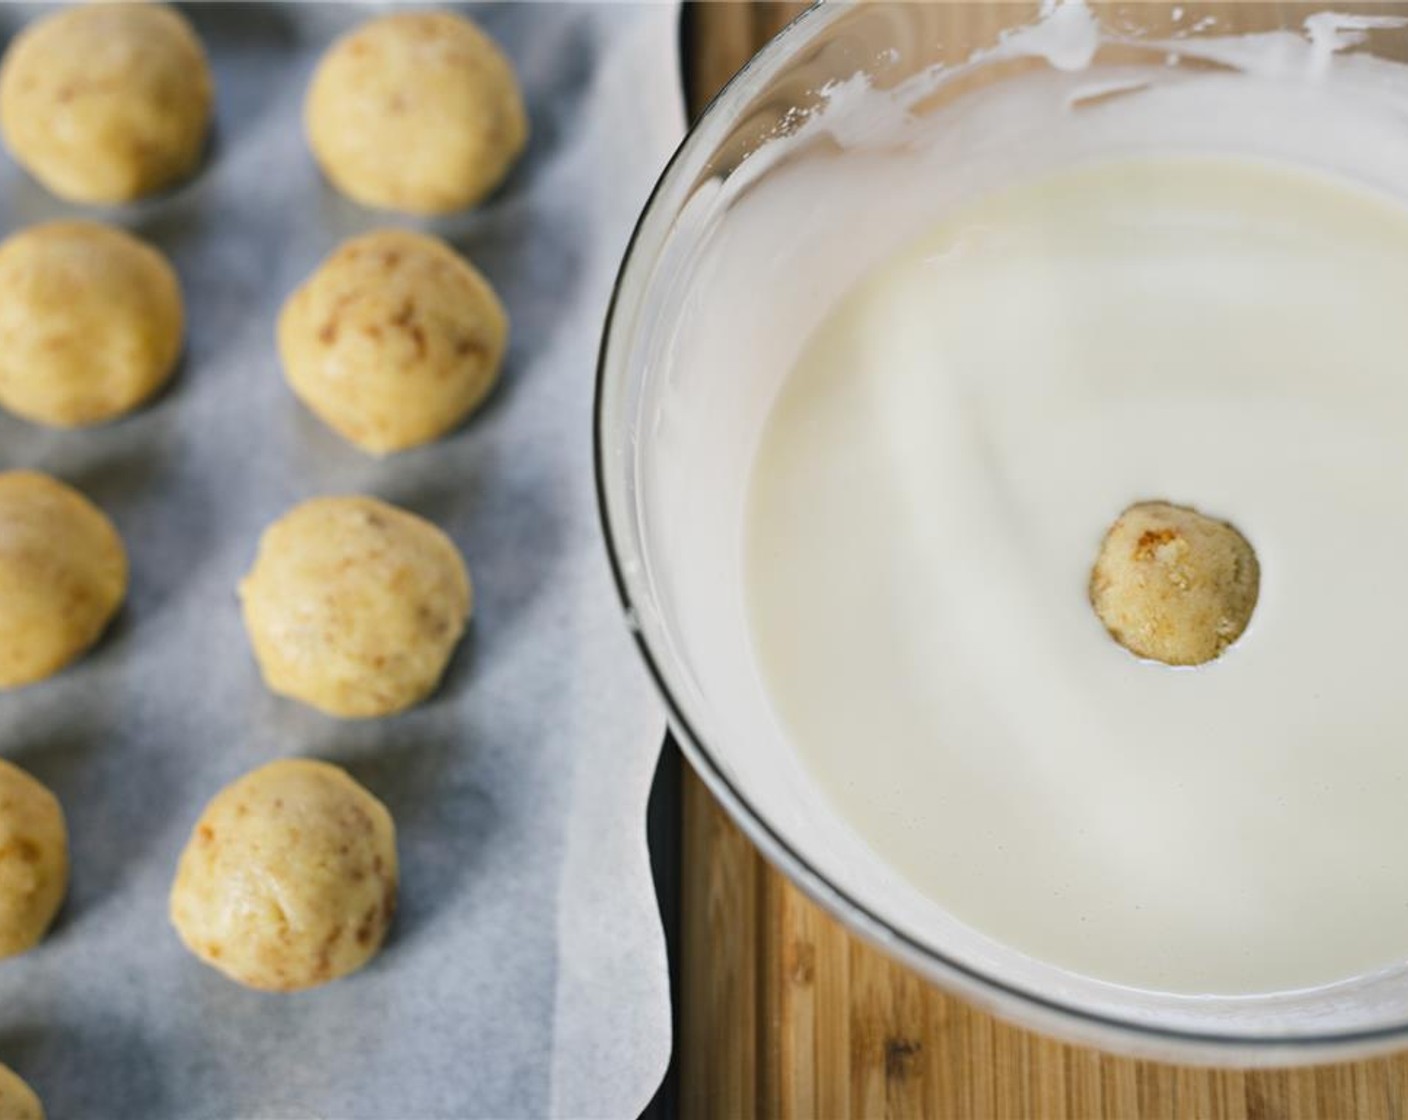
(674, 447)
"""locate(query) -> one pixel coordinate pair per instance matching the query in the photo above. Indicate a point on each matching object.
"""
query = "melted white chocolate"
(931, 491)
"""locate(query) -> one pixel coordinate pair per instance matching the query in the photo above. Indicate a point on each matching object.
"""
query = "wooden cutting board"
(785, 1014)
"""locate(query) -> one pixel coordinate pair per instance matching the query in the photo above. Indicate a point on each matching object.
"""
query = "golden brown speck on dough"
(328, 333)
(206, 834)
(22, 847)
(366, 926)
(1150, 541)
(323, 968)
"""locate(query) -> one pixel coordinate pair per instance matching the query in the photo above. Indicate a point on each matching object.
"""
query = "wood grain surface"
(785, 1014)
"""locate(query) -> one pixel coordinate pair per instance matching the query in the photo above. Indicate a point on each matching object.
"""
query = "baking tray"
(526, 971)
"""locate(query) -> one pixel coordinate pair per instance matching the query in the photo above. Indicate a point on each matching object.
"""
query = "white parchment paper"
(526, 971)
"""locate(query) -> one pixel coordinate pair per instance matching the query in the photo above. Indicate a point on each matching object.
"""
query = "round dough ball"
(416, 111)
(33, 862)
(1173, 585)
(393, 341)
(63, 574)
(289, 879)
(90, 323)
(106, 103)
(17, 1100)
(355, 606)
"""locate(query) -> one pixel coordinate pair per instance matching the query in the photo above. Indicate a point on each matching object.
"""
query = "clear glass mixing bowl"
(673, 452)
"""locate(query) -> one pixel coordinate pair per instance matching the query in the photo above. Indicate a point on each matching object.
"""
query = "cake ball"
(415, 111)
(1174, 585)
(354, 606)
(105, 103)
(17, 1100)
(393, 341)
(33, 863)
(90, 323)
(63, 575)
(289, 879)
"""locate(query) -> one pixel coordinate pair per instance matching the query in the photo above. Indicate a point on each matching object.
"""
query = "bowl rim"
(1015, 1003)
